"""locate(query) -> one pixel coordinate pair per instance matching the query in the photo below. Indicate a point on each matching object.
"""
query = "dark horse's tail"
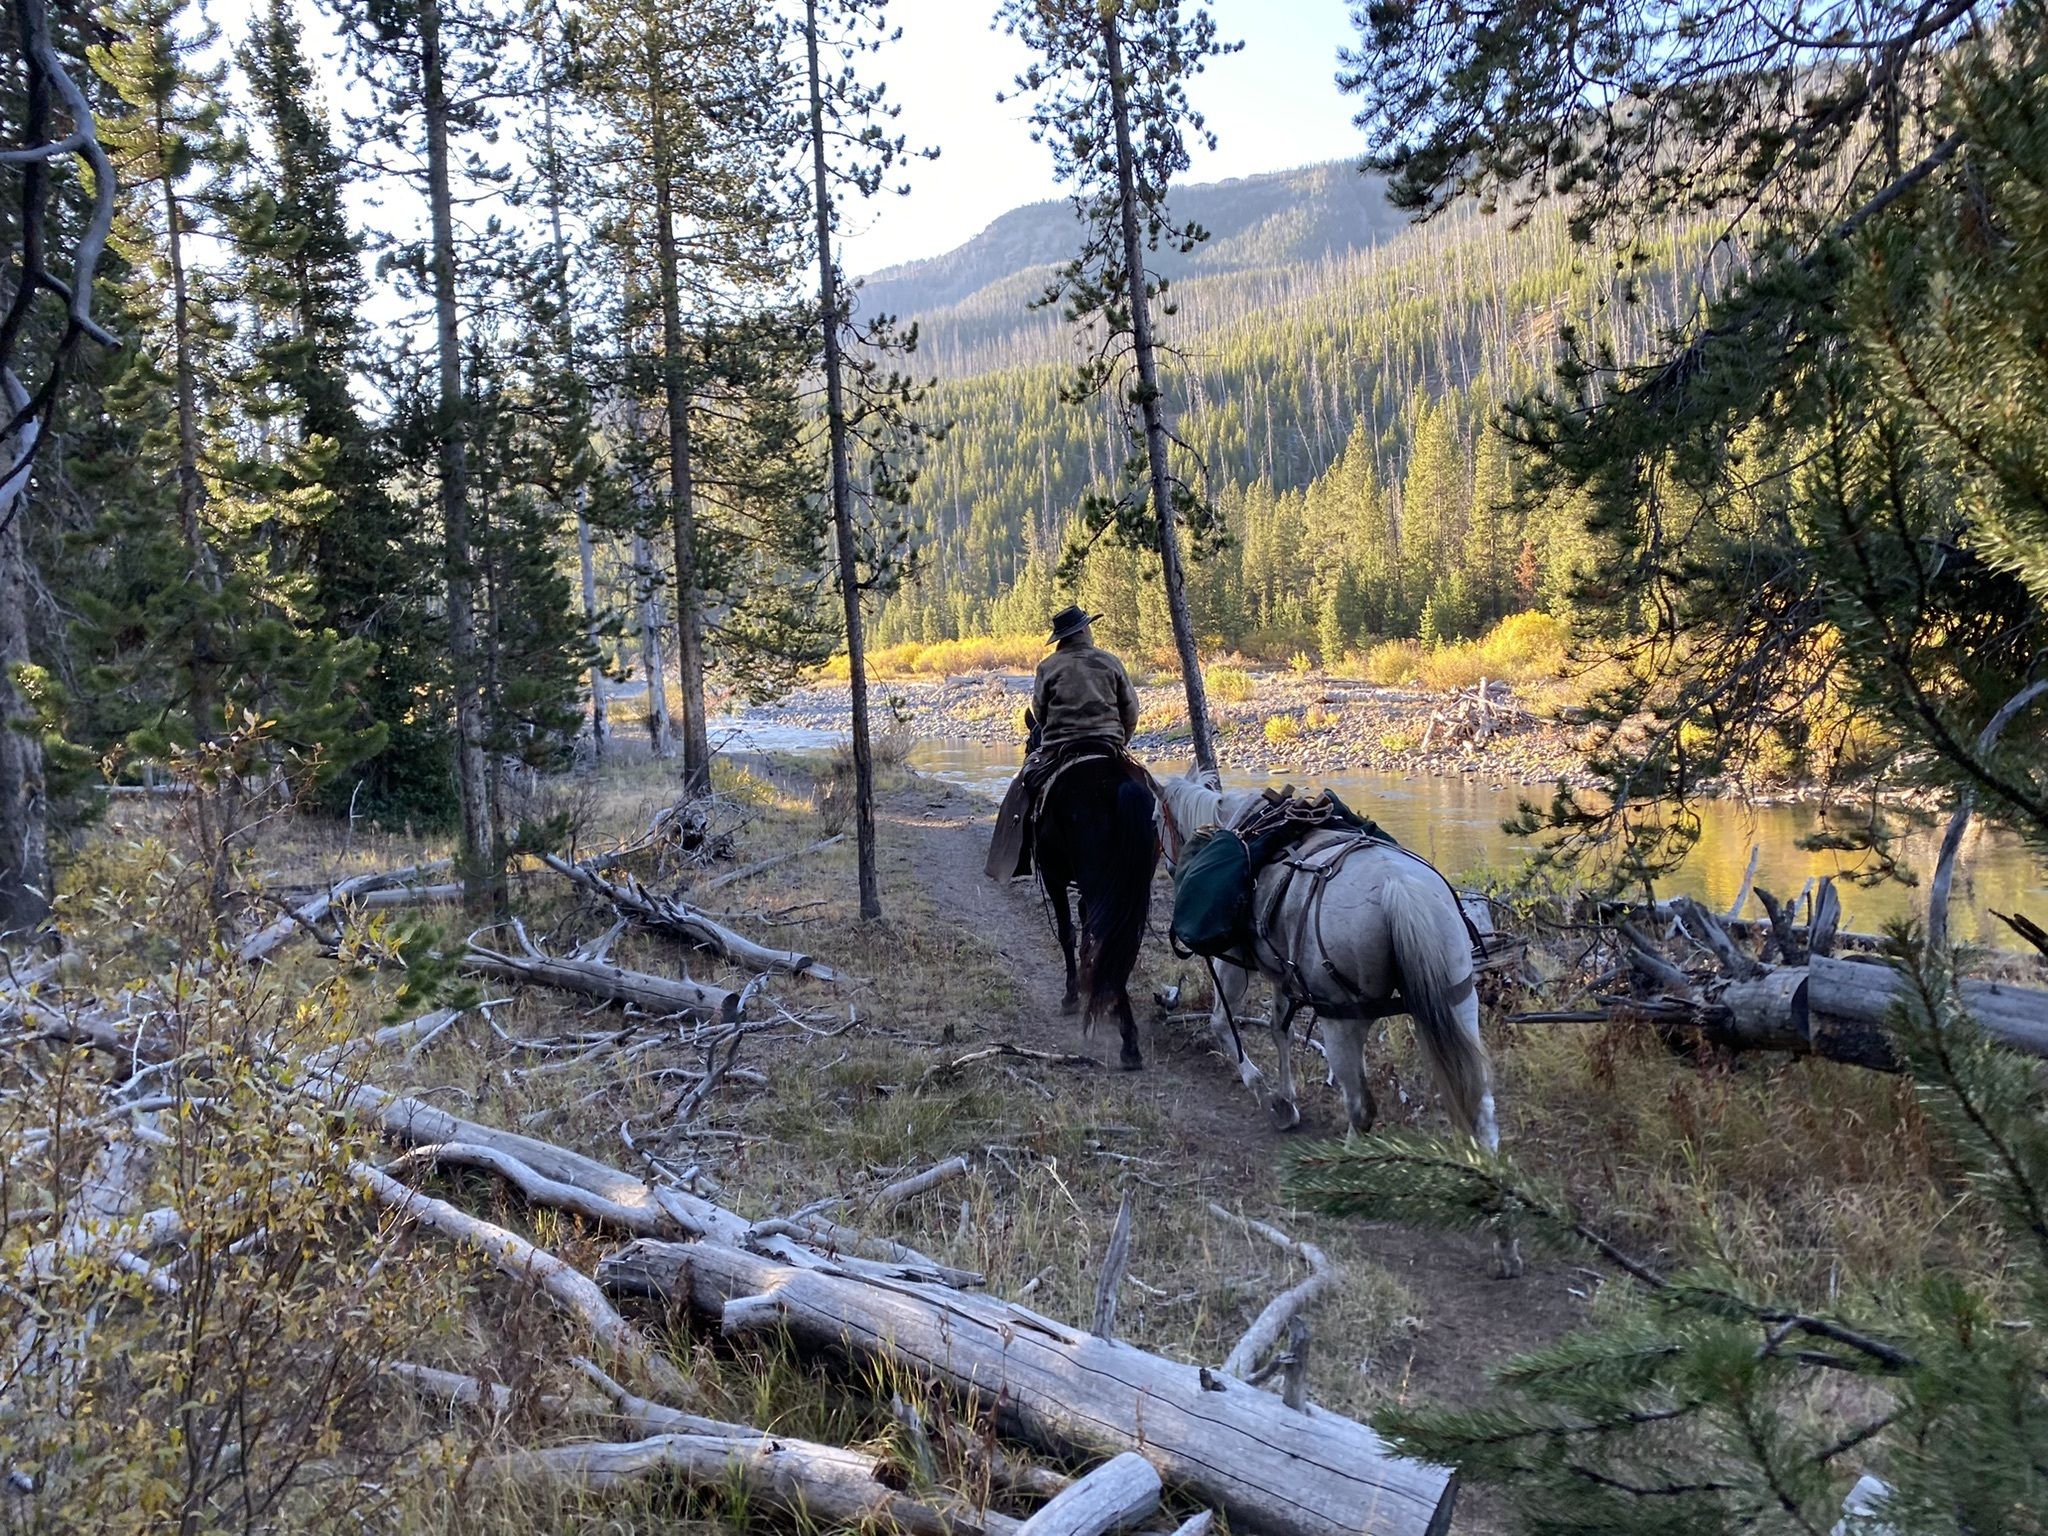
(1116, 888)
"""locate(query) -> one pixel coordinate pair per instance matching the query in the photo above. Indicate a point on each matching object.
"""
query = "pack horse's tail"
(1435, 960)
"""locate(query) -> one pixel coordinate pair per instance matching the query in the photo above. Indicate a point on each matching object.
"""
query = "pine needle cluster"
(1701, 1402)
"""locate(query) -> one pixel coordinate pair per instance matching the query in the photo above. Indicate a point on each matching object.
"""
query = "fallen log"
(828, 1485)
(666, 914)
(1862, 993)
(260, 944)
(1839, 1010)
(646, 1210)
(415, 1035)
(1268, 1468)
(662, 995)
(406, 896)
(571, 1289)
(1116, 1495)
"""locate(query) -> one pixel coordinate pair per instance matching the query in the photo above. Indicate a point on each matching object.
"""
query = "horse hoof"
(1507, 1259)
(1133, 1059)
(1285, 1112)
(1070, 1004)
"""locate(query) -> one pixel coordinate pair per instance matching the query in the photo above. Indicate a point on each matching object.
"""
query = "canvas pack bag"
(1212, 894)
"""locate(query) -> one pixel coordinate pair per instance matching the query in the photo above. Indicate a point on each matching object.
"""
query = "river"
(1456, 824)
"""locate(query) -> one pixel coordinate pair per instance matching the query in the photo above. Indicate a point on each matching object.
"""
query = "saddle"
(1009, 850)
(1218, 914)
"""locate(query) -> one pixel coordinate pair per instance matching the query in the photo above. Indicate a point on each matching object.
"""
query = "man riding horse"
(1082, 705)
(1081, 812)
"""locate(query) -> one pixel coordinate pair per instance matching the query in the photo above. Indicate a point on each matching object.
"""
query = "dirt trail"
(1472, 1320)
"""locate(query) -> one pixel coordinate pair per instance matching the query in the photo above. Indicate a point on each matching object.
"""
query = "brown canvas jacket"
(1082, 692)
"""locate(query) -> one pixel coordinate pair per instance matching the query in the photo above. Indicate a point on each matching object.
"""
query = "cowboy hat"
(1070, 621)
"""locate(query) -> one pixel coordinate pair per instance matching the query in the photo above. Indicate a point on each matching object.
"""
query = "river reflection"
(1456, 824)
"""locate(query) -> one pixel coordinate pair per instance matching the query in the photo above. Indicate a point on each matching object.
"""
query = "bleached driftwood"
(571, 1289)
(662, 995)
(1959, 820)
(260, 944)
(414, 1034)
(650, 1418)
(1116, 1495)
(885, 1200)
(829, 1485)
(630, 899)
(458, 1389)
(1116, 1259)
(632, 1205)
(407, 896)
(1270, 1469)
(1264, 1333)
(537, 1188)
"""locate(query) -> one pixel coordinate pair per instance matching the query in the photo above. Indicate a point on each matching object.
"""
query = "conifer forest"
(520, 1009)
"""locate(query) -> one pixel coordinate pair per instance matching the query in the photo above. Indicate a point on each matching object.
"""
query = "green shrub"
(1229, 685)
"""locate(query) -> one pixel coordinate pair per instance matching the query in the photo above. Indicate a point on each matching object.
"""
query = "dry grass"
(1522, 648)
(946, 658)
(1801, 1175)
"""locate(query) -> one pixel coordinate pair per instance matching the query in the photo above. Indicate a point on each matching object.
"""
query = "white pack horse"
(1356, 930)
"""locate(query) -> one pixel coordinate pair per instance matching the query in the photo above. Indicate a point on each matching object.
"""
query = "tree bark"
(675, 386)
(483, 875)
(660, 740)
(1149, 406)
(600, 722)
(1270, 1468)
(564, 341)
(826, 1485)
(842, 488)
(24, 812)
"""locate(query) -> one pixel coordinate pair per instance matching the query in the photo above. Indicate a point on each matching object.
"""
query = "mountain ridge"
(1275, 219)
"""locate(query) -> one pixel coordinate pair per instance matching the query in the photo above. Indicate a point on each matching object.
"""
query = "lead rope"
(1229, 1013)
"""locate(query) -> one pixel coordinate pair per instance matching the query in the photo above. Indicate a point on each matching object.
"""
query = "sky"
(1272, 107)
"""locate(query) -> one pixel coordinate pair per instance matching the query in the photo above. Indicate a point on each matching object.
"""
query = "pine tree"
(1111, 78)
(172, 151)
(840, 121)
(570, 357)
(436, 67)
(314, 479)
(690, 100)
(1701, 1400)
(1765, 482)
(45, 327)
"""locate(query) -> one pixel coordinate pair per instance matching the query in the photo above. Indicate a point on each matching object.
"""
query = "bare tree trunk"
(24, 825)
(600, 723)
(651, 661)
(842, 490)
(206, 710)
(564, 340)
(483, 882)
(681, 488)
(1149, 402)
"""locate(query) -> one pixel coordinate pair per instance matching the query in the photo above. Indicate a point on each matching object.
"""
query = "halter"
(1172, 839)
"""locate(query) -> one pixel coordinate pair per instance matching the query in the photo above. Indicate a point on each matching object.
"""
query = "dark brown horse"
(1096, 834)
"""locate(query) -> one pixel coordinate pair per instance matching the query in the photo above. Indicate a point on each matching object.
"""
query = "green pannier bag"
(1212, 893)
